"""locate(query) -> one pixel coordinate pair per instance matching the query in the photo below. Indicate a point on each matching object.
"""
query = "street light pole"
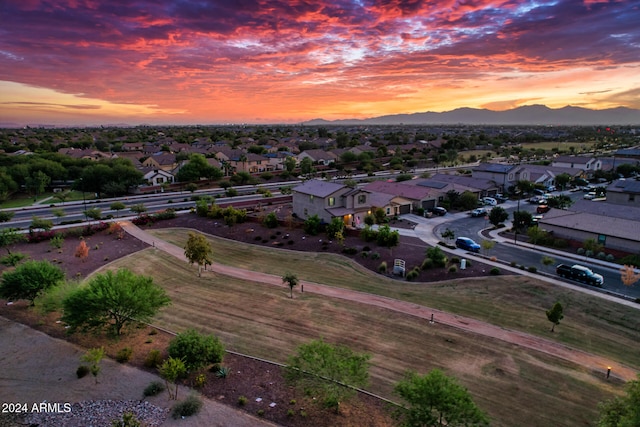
(515, 222)
(84, 201)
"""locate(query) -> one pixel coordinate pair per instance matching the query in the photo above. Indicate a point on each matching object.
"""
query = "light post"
(84, 201)
(516, 220)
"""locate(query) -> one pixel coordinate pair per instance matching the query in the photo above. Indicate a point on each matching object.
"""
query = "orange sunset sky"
(91, 62)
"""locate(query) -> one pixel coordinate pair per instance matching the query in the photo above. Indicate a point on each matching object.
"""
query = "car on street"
(537, 200)
(467, 244)
(489, 201)
(479, 212)
(580, 273)
(543, 209)
(590, 195)
(501, 198)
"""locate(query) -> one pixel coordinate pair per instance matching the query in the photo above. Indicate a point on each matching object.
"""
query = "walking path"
(441, 318)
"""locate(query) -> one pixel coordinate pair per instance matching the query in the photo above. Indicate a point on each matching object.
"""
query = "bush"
(601, 255)
(610, 258)
(153, 389)
(82, 371)
(580, 251)
(375, 255)
(412, 275)
(532, 269)
(455, 260)
(453, 269)
(427, 264)
(222, 372)
(350, 251)
(495, 271)
(124, 355)
(200, 380)
(190, 406)
(588, 253)
(382, 268)
(270, 221)
(242, 400)
(153, 360)
(196, 349)
(513, 264)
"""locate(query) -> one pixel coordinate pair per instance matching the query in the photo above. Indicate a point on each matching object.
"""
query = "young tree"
(562, 180)
(82, 250)
(170, 371)
(41, 224)
(94, 356)
(196, 350)
(449, 234)
(555, 315)
(117, 206)
(291, 280)
(63, 196)
(115, 300)
(30, 279)
(335, 226)
(331, 372)
(622, 411)
(6, 216)
(138, 209)
(312, 225)
(198, 250)
(94, 213)
(437, 400)
(498, 215)
(487, 245)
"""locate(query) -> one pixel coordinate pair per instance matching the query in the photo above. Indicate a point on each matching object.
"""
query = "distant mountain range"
(532, 115)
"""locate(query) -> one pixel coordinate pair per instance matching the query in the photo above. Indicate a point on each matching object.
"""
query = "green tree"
(561, 201)
(117, 206)
(498, 215)
(29, 280)
(6, 216)
(386, 237)
(40, 224)
(94, 356)
(335, 226)
(306, 166)
(113, 299)
(437, 400)
(94, 213)
(522, 220)
(138, 209)
(622, 411)
(171, 370)
(196, 350)
(198, 250)
(270, 220)
(290, 164)
(290, 280)
(63, 196)
(37, 183)
(524, 187)
(312, 225)
(449, 234)
(562, 180)
(198, 168)
(555, 315)
(331, 372)
(467, 201)
(437, 256)
(487, 245)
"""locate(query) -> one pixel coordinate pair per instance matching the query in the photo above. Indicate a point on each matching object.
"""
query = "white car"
(590, 195)
(489, 201)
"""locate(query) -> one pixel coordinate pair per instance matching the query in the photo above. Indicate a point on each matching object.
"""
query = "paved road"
(441, 318)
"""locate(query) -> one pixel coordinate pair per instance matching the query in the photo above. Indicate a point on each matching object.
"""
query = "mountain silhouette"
(540, 115)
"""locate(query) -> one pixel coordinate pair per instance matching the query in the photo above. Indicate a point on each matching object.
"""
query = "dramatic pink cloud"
(285, 61)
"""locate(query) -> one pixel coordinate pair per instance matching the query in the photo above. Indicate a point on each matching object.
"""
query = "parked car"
(489, 201)
(440, 211)
(543, 209)
(537, 200)
(590, 195)
(479, 212)
(501, 198)
(467, 244)
(580, 273)
(538, 192)
(551, 188)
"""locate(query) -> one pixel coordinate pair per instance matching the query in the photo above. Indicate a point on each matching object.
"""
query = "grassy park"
(514, 385)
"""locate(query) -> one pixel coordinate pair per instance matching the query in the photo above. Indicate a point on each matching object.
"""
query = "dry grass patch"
(261, 320)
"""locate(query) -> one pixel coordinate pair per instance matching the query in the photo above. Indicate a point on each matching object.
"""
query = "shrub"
(532, 269)
(601, 255)
(196, 349)
(190, 406)
(270, 221)
(82, 371)
(588, 253)
(124, 355)
(513, 264)
(453, 269)
(495, 271)
(427, 264)
(455, 260)
(412, 275)
(153, 389)
(365, 254)
(610, 258)
(291, 412)
(366, 249)
(261, 412)
(350, 251)
(200, 380)
(382, 268)
(242, 400)
(375, 255)
(153, 360)
(222, 372)
(580, 251)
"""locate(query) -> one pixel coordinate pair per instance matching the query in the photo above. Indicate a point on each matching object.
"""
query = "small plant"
(412, 275)
(290, 413)
(382, 268)
(601, 255)
(453, 269)
(261, 412)
(190, 406)
(427, 264)
(303, 414)
(82, 371)
(222, 372)
(128, 420)
(292, 402)
(580, 251)
(242, 400)
(495, 271)
(610, 258)
(513, 264)
(153, 360)
(375, 255)
(532, 269)
(365, 254)
(124, 355)
(455, 260)
(153, 389)
(200, 380)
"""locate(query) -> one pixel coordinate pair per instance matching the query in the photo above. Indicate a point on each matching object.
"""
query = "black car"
(440, 211)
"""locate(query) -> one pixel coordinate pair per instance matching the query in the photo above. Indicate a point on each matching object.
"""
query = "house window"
(362, 199)
(306, 212)
(160, 180)
(332, 201)
(388, 211)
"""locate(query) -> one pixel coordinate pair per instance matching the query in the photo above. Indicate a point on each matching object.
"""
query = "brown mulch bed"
(248, 377)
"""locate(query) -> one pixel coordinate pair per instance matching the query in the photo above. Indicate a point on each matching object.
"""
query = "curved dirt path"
(440, 317)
